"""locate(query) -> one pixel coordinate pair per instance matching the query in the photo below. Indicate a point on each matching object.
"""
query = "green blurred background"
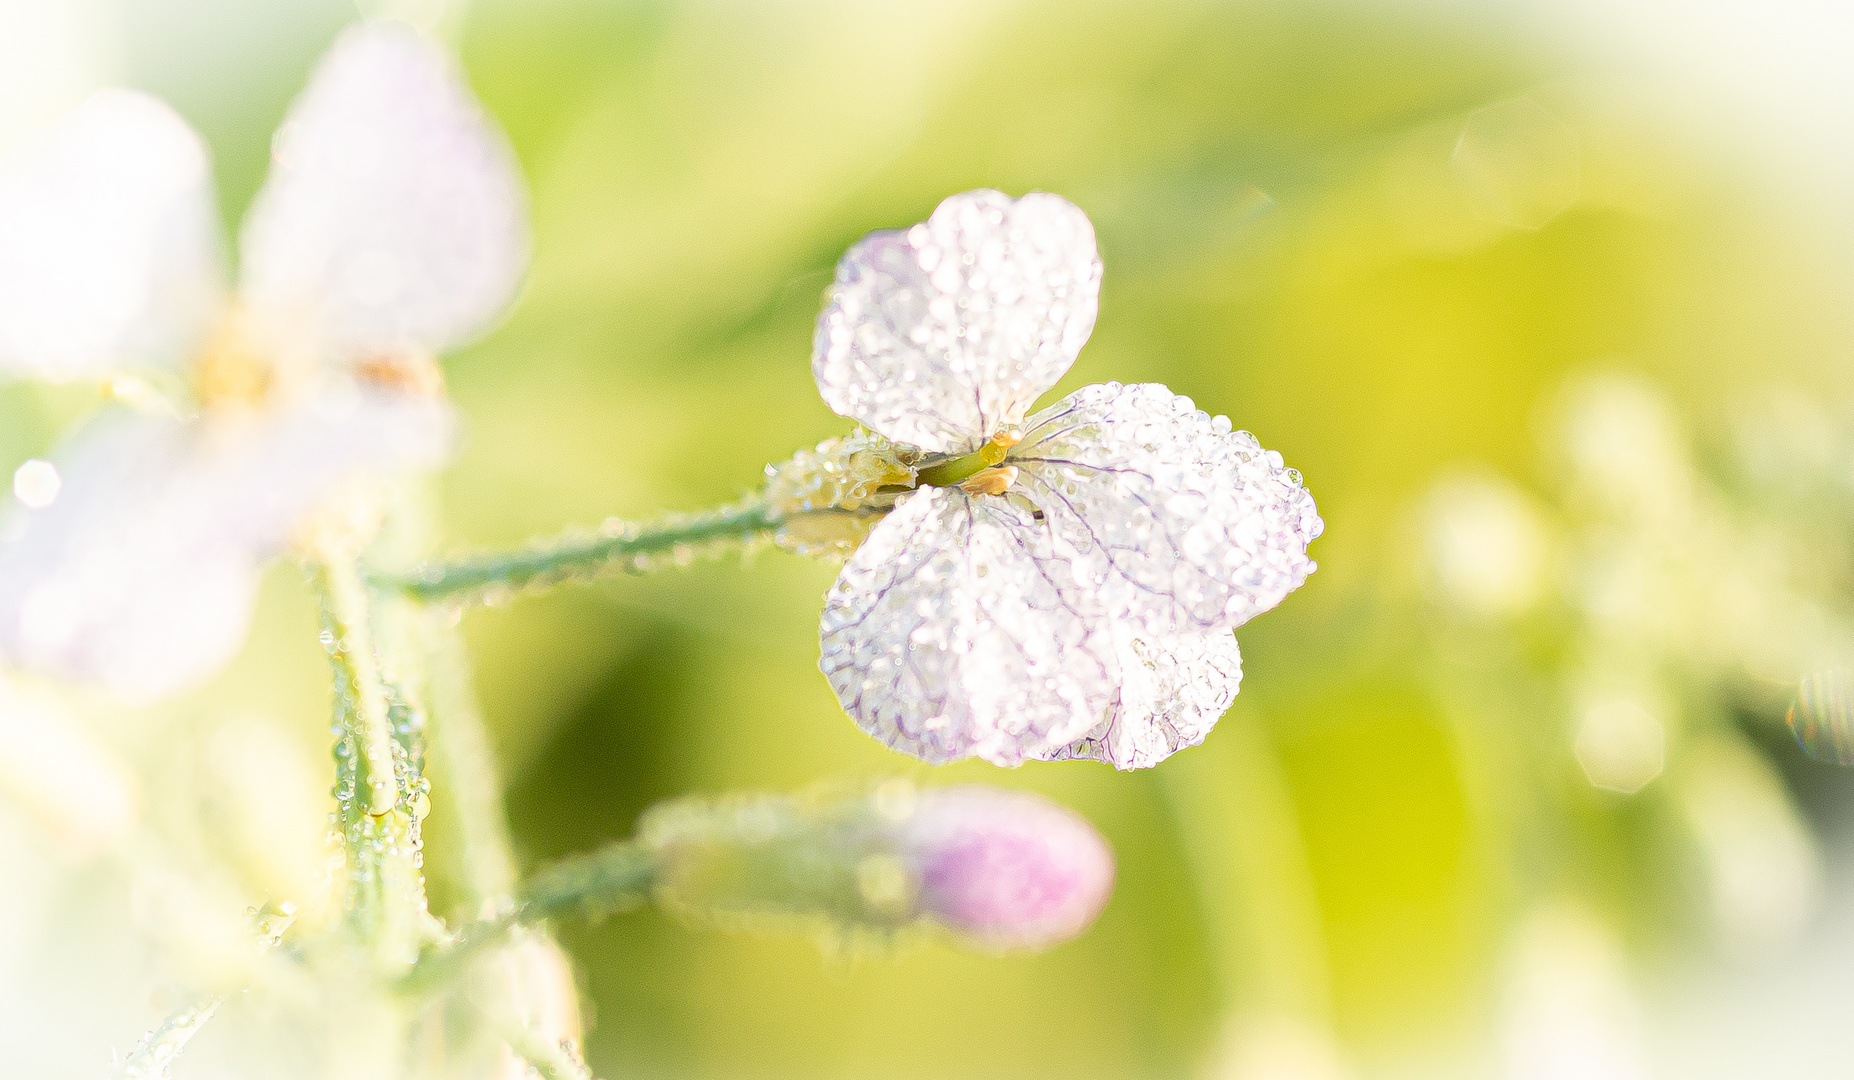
(1380, 237)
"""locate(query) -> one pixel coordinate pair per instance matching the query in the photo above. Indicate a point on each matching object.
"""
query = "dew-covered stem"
(614, 878)
(378, 788)
(617, 546)
(361, 695)
(153, 1058)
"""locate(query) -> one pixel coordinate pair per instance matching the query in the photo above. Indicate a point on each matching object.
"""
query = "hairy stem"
(378, 793)
(349, 640)
(617, 546)
(614, 878)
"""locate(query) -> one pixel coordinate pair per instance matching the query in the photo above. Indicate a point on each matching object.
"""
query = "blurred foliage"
(1295, 233)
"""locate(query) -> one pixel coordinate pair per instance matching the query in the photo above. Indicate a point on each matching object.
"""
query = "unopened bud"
(1000, 869)
(1007, 868)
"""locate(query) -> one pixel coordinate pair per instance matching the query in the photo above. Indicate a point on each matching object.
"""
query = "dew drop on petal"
(36, 484)
(1822, 717)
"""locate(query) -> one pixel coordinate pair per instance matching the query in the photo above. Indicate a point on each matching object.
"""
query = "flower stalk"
(618, 546)
(379, 793)
(614, 878)
(360, 692)
(153, 1058)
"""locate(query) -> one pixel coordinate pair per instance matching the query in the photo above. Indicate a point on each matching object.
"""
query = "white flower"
(1058, 586)
(392, 227)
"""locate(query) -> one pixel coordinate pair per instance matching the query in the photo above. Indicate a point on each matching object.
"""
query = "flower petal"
(940, 335)
(142, 574)
(1182, 523)
(394, 217)
(954, 631)
(109, 245)
(1172, 692)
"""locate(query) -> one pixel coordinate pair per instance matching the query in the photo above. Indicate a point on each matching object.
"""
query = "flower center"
(234, 369)
(981, 472)
(245, 364)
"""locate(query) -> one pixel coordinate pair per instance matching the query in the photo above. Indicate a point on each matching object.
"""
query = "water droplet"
(1822, 719)
(36, 484)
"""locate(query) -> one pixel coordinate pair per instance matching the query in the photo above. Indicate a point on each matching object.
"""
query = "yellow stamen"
(234, 368)
(960, 469)
(410, 373)
(993, 481)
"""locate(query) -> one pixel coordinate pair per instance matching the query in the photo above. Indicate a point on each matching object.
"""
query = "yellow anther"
(993, 481)
(992, 453)
(410, 373)
(234, 368)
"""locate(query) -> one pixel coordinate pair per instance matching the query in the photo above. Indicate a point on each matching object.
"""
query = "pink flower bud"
(1007, 869)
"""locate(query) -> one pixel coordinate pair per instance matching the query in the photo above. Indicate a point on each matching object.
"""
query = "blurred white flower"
(78, 792)
(1486, 546)
(1762, 864)
(1569, 1012)
(1278, 1046)
(1058, 586)
(1621, 441)
(392, 227)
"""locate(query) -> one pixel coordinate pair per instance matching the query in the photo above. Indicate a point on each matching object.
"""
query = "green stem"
(375, 811)
(349, 640)
(618, 546)
(616, 877)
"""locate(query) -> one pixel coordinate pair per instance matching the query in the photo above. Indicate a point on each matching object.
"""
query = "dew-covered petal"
(954, 631)
(394, 217)
(1172, 692)
(1179, 522)
(142, 574)
(942, 334)
(110, 256)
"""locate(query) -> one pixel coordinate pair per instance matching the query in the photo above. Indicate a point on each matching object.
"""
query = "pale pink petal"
(1177, 522)
(955, 631)
(1172, 692)
(943, 334)
(394, 218)
(110, 256)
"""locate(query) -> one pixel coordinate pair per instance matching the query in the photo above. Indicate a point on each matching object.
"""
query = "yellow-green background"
(1285, 240)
